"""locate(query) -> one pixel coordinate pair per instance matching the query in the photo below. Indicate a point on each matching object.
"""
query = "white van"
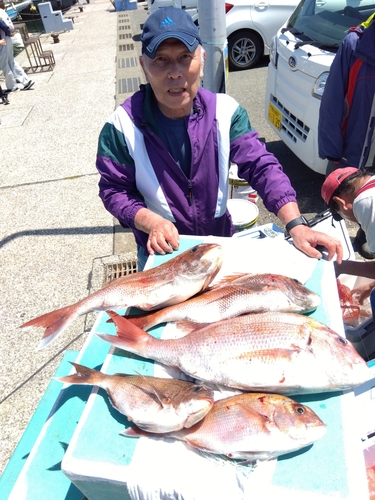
(191, 6)
(300, 57)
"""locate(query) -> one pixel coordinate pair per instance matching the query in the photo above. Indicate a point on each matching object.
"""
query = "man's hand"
(306, 240)
(363, 292)
(163, 236)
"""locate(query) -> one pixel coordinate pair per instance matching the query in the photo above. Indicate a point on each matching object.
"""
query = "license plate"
(274, 116)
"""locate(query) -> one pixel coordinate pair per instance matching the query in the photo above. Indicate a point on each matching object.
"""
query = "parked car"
(250, 25)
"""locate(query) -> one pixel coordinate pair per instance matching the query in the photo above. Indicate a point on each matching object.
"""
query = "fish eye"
(300, 410)
(194, 249)
(343, 341)
(197, 388)
(296, 281)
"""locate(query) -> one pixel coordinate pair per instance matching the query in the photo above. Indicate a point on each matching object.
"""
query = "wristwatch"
(295, 222)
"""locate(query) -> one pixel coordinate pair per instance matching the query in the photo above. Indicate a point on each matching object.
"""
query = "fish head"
(201, 262)
(304, 299)
(338, 357)
(297, 421)
(194, 402)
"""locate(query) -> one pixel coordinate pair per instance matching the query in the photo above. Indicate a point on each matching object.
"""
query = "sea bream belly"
(154, 404)
(284, 353)
(244, 294)
(174, 281)
(252, 426)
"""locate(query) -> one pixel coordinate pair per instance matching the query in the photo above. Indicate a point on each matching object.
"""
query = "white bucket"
(238, 188)
(244, 213)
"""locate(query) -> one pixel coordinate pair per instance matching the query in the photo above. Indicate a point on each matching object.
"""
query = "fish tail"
(142, 321)
(54, 322)
(128, 336)
(84, 375)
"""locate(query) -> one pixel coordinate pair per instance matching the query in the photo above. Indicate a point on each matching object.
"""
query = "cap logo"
(167, 23)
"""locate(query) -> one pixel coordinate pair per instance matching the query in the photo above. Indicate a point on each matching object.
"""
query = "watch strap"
(298, 221)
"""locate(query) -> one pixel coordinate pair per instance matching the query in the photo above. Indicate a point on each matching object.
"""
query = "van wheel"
(244, 49)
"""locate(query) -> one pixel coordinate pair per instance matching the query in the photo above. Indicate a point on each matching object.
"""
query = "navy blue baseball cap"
(169, 22)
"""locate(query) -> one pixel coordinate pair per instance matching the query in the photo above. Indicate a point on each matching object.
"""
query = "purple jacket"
(197, 206)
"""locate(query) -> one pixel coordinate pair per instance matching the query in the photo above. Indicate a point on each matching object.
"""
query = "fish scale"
(274, 352)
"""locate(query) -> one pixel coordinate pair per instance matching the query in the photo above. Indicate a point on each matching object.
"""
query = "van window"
(325, 24)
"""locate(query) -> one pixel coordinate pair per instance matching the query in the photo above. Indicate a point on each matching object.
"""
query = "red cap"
(334, 180)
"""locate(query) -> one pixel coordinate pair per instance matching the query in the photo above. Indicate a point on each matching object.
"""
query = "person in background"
(350, 195)
(3, 96)
(346, 128)
(13, 72)
(164, 154)
(347, 110)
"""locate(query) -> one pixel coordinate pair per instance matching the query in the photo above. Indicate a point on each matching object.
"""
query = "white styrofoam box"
(365, 402)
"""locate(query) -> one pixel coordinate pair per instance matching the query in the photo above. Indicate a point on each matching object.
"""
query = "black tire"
(244, 49)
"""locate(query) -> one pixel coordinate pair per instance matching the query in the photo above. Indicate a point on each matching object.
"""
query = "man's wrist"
(298, 221)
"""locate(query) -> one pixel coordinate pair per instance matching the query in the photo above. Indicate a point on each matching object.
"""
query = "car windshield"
(325, 23)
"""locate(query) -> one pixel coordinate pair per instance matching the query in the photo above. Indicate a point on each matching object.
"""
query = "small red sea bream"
(153, 404)
(284, 353)
(245, 294)
(251, 426)
(170, 283)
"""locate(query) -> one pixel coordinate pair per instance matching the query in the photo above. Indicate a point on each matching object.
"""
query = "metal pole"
(212, 28)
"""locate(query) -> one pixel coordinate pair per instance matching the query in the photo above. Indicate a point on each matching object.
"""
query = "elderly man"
(164, 155)
(13, 72)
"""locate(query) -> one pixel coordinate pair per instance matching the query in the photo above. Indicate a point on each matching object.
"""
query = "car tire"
(244, 49)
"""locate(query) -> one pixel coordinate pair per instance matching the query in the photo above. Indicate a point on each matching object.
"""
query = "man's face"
(344, 207)
(174, 77)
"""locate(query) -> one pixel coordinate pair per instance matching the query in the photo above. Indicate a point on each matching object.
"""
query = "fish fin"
(195, 443)
(54, 322)
(277, 353)
(128, 336)
(259, 422)
(84, 375)
(163, 400)
(243, 415)
(134, 317)
(187, 327)
(228, 279)
(134, 432)
(141, 320)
